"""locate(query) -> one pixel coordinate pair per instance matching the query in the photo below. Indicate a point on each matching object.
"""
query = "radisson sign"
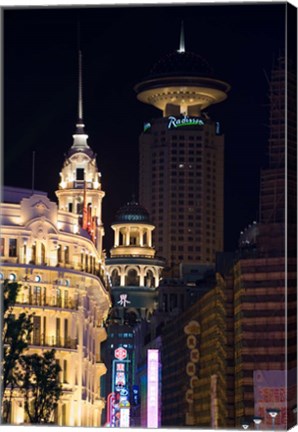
(184, 121)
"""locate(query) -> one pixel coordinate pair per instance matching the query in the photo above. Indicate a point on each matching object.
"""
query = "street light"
(273, 412)
(245, 424)
(257, 421)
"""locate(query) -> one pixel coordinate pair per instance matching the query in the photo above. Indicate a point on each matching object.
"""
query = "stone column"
(116, 241)
(141, 234)
(127, 236)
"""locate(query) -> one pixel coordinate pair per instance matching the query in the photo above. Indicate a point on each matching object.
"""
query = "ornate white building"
(134, 269)
(55, 254)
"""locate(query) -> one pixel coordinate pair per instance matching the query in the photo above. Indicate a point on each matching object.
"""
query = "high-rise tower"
(182, 159)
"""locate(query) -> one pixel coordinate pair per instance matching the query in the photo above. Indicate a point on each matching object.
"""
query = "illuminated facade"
(55, 254)
(213, 391)
(135, 274)
(133, 268)
(181, 169)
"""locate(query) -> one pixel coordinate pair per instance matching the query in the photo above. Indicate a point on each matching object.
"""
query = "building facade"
(55, 253)
(265, 294)
(181, 171)
(68, 297)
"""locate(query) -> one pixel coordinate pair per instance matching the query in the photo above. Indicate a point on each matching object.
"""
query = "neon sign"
(184, 121)
(120, 353)
(123, 300)
(152, 389)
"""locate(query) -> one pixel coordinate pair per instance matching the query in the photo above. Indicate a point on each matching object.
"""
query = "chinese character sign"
(270, 392)
(152, 388)
(123, 300)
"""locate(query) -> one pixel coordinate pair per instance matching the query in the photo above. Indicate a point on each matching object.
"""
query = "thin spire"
(80, 102)
(182, 41)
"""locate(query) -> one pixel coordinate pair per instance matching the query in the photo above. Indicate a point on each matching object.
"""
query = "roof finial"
(182, 42)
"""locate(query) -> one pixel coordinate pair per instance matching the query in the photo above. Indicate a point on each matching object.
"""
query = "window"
(66, 249)
(115, 278)
(58, 331)
(66, 330)
(149, 279)
(36, 295)
(12, 247)
(36, 330)
(2, 243)
(132, 278)
(80, 175)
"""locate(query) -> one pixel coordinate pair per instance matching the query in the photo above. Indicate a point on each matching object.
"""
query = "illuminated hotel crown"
(181, 82)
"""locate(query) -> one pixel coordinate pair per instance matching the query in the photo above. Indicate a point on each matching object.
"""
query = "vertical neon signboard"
(152, 388)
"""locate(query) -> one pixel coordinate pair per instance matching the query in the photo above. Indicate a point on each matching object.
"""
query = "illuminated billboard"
(152, 388)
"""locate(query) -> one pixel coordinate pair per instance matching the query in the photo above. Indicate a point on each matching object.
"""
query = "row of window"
(12, 247)
(181, 258)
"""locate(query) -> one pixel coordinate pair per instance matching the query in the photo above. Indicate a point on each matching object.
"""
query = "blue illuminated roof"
(132, 212)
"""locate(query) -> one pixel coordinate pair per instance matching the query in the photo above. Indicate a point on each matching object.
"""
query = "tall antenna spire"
(80, 102)
(182, 42)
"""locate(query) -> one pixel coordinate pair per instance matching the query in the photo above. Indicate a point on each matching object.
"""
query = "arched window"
(132, 278)
(149, 279)
(115, 278)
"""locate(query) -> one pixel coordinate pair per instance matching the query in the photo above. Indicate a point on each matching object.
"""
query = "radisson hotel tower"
(182, 159)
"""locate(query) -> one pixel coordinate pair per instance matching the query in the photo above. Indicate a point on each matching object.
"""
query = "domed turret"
(133, 267)
(133, 231)
(80, 190)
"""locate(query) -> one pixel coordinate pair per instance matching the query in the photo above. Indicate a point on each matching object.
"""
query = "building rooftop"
(132, 212)
(181, 64)
(15, 195)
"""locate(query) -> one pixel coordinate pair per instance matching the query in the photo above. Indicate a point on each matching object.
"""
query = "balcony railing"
(50, 302)
(54, 341)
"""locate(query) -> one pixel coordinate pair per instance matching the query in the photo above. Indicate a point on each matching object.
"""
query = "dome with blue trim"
(132, 212)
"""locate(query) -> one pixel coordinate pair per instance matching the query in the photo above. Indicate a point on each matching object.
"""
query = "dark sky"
(120, 45)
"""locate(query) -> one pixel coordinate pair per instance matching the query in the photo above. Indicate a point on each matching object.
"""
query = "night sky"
(120, 45)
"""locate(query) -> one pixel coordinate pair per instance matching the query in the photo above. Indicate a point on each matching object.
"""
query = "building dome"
(181, 64)
(132, 212)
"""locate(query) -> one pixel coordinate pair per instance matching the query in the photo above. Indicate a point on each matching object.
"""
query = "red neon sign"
(120, 353)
